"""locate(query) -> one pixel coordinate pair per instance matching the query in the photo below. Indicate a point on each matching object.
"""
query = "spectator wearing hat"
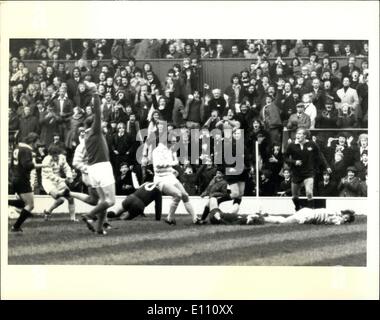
(327, 187)
(362, 165)
(299, 119)
(57, 142)
(349, 186)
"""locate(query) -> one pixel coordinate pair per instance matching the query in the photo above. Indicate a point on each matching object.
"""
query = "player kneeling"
(135, 203)
(53, 183)
(314, 216)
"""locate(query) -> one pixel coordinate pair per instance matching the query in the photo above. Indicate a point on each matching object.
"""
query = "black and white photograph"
(177, 151)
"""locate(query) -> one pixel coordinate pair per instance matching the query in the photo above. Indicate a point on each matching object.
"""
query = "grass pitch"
(144, 241)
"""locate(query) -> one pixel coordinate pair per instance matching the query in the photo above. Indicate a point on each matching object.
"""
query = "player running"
(313, 216)
(166, 180)
(303, 157)
(22, 164)
(134, 204)
(99, 168)
(54, 184)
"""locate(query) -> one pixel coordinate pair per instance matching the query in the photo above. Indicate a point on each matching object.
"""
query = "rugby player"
(53, 183)
(313, 216)
(303, 157)
(100, 172)
(134, 204)
(166, 180)
(21, 166)
(217, 216)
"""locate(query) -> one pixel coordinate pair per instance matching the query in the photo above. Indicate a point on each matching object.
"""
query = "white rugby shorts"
(100, 174)
(52, 186)
(164, 180)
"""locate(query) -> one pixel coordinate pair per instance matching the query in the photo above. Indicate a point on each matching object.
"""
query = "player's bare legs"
(175, 193)
(237, 191)
(106, 200)
(309, 184)
(28, 199)
(185, 198)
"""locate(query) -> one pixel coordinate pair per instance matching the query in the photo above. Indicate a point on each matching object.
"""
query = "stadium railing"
(215, 72)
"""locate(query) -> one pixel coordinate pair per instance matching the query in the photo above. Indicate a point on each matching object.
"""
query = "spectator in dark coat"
(73, 82)
(205, 174)
(188, 180)
(27, 124)
(362, 165)
(285, 188)
(327, 187)
(124, 181)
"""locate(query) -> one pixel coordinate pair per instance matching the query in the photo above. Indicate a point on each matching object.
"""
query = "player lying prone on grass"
(313, 216)
(134, 204)
(217, 216)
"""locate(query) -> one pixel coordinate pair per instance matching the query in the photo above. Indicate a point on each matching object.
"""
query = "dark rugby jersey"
(227, 218)
(95, 142)
(309, 154)
(148, 193)
(22, 161)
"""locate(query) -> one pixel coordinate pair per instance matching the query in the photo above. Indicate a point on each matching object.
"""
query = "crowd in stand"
(269, 100)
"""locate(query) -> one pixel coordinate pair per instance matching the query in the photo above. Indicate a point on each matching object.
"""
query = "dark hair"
(54, 150)
(351, 215)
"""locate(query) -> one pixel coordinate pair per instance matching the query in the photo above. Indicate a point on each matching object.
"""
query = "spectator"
(124, 180)
(328, 117)
(299, 119)
(266, 186)
(349, 186)
(349, 68)
(64, 108)
(327, 187)
(310, 109)
(346, 117)
(285, 189)
(194, 111)
(27, 123)
(362, 166)
(188, 180)
(270, 115)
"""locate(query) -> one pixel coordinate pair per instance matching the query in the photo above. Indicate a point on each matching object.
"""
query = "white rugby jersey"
(53, 169)
(162, 156)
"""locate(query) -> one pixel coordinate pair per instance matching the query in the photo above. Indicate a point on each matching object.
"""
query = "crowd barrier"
(215, 72)
(283, 205)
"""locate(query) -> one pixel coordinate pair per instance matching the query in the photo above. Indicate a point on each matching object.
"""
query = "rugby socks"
(205, 213)
(189, 209)
(101, 216)
(98, 209)
(24, 214)
(297, 204)
(72, 211)
(224, 199)
(172, 209)
(18, 203)
(236, 205)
